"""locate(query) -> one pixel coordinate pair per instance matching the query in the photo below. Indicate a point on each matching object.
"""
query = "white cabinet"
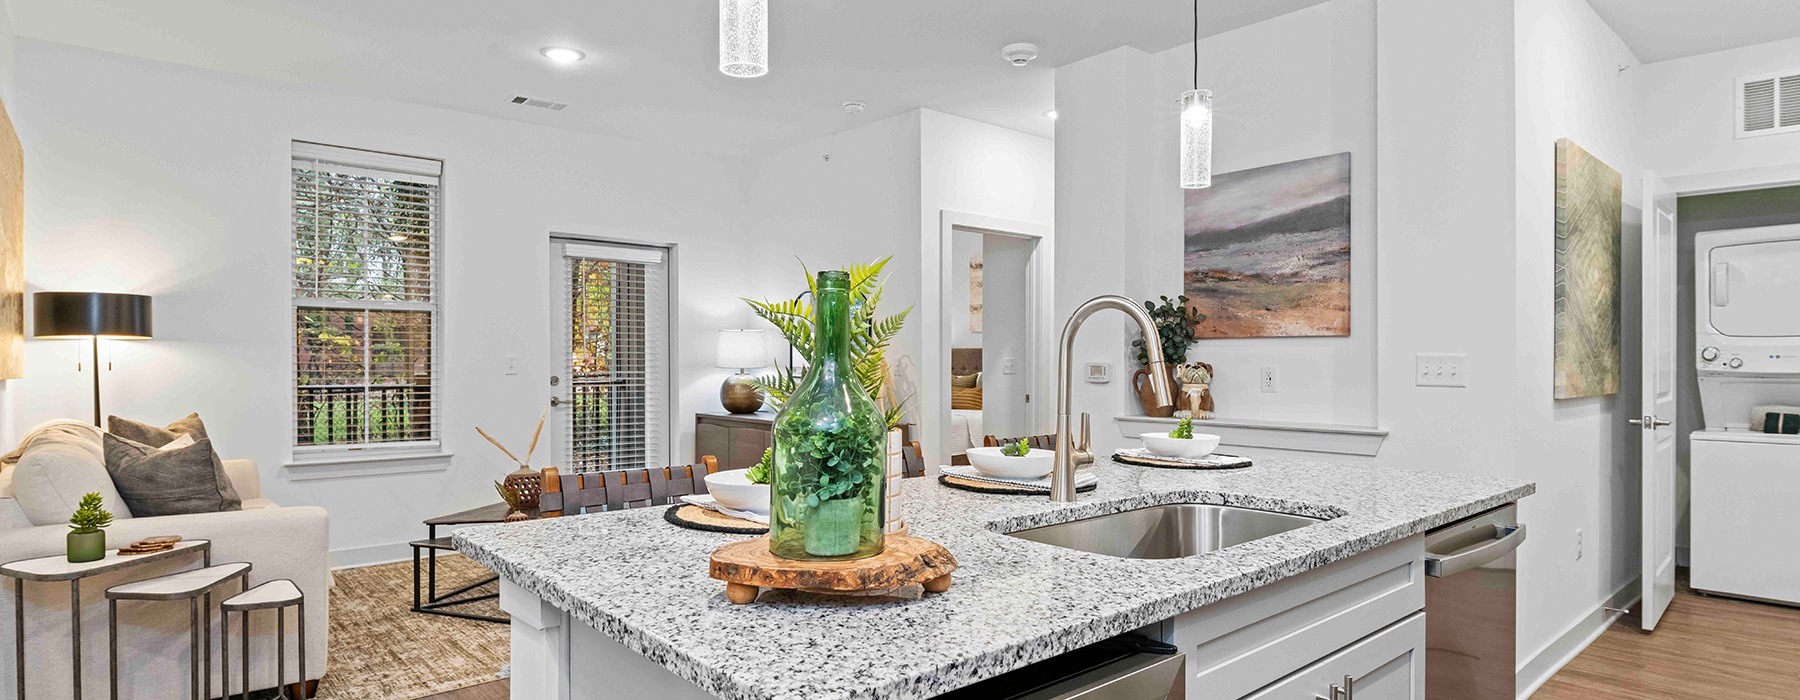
(1387, 665)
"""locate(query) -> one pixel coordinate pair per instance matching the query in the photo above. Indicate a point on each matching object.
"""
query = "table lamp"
(91, 315)
(741, 350)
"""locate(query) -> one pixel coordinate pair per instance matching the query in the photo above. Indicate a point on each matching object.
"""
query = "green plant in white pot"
(87, 538)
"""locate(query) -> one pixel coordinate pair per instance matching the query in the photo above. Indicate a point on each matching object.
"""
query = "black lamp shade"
(84, 314)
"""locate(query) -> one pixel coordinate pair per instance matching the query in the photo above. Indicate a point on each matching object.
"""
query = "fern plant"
(870, 336)
(89, 516)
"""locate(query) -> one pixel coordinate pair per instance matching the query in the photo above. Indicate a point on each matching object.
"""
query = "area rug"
(381, 650)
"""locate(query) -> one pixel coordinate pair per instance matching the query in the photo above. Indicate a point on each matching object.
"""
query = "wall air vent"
(1768, 105)
(558, 106)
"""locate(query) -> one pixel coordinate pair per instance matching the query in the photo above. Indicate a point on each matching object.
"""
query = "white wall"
(965, 246)
(1688, 109)
(1005, 372)
(171, 181)
(1568, 85)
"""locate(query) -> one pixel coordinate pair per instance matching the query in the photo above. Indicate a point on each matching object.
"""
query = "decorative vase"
(829, 476)
(1140, 380)
(87, 546)
(525, 485)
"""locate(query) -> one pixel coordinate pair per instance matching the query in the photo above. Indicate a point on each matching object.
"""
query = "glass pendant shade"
(744, 38)
(1196, 139)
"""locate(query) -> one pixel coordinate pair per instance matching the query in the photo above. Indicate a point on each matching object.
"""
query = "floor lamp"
(90, 315)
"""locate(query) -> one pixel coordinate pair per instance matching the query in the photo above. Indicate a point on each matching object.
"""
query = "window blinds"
(615, 404)
(367, 247)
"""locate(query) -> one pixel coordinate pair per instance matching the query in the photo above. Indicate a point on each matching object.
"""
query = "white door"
(610, 393)
(1656, 416)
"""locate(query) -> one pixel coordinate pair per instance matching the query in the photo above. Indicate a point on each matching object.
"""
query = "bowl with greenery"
(1181, 443)
(1012, 461)
(742, 489)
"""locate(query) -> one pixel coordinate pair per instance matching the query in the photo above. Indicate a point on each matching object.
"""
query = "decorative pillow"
(173, 481)
(153, 436)
(965, 399)
(59, 463)
(963, 381)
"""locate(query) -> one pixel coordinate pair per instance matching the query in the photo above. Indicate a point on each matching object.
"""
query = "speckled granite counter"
(643, 582)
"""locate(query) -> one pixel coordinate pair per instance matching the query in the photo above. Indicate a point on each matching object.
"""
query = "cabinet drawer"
(1246, 642)
(1387, 665)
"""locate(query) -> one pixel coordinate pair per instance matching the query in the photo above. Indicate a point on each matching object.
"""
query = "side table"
(58, 568)
(433, 603)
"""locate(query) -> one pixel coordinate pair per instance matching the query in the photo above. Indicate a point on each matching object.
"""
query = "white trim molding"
(1540, 667)
(1325, 438)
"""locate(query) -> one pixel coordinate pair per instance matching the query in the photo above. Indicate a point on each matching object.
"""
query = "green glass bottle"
(830, 463)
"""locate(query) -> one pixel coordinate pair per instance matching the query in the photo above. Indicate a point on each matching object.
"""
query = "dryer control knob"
(1734, 362)
(1709, 354)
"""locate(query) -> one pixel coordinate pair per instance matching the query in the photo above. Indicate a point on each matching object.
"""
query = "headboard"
(965, 361)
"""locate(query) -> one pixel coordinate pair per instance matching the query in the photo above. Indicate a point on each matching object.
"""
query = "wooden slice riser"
(748, 566)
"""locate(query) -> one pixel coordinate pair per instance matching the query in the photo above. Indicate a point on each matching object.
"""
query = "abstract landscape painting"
(12, 251)
(1267, 251)
(1589, 211)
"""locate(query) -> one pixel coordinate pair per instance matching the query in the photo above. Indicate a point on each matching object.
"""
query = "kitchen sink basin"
(1166, 532)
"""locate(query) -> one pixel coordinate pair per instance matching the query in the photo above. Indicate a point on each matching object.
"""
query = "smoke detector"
(854, 107)
(1019, 54)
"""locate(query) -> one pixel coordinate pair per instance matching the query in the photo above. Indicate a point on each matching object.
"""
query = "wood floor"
(1703, 649)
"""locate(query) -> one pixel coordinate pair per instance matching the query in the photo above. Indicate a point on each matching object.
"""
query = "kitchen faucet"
(1070, 453)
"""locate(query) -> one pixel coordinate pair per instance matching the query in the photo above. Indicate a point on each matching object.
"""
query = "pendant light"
(1196, 125)
(744, 38)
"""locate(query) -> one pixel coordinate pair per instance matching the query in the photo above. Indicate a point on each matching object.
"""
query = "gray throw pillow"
(174, 481)
(152, 435)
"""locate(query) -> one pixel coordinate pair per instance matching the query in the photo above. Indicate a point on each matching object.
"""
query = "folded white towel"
(1082, 478)
(708, 502)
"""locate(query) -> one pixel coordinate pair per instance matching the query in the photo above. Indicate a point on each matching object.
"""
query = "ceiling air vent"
(558, 106)
(1768, 105)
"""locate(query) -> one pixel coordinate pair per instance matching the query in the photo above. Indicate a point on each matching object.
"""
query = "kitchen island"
(619, 604)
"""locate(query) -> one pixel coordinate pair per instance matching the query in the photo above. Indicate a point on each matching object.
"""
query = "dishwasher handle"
(1506, 539)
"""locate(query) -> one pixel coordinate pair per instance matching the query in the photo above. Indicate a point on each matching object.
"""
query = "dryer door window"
(1755, 289)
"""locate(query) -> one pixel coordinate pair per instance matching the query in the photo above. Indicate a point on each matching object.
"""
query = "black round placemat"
(1174, 464)
(984, 487)
(676, 517)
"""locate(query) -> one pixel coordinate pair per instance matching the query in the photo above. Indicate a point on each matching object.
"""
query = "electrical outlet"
(1442, 369)
(1578, 543)
(1009, 365)
(1271, 379)
(512, 363)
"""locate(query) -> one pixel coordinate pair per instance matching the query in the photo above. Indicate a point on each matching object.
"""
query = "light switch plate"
(1009, 365)
(1442, 369)
(512, 363)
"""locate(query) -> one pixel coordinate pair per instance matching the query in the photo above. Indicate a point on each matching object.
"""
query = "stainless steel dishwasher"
(1470, 612)
(1126, 667)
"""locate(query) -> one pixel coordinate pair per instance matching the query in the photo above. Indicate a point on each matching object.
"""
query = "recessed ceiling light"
(1051, 114)
(562, 54)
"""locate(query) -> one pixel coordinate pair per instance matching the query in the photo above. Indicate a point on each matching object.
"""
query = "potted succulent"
(87, 536)
(1175, 323)
(1181, 443)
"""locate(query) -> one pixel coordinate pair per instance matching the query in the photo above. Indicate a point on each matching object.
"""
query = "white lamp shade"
(743, 349)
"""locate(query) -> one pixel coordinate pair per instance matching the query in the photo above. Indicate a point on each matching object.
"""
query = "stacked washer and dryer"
(1745, 467)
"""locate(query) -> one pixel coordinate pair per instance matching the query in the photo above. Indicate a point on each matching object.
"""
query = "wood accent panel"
(12, 251)
(1704, 647)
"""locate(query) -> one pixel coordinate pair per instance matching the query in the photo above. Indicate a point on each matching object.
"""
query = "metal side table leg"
(75, 631)
(224, 654)
(112, 645)
(281, 653)
(244, 618)
(194, 648)
(19, 632)
(301, 618)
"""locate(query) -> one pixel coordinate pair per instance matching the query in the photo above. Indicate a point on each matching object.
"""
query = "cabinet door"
(747, 445)
(1387, 665)
(712, 439)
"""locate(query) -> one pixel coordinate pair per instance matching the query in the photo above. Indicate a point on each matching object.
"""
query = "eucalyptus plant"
(870, 336)
(1175, 323)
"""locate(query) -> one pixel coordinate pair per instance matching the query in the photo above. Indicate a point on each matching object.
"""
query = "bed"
(965, 423)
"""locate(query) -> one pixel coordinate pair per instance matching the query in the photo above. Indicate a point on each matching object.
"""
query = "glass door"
(611, 395)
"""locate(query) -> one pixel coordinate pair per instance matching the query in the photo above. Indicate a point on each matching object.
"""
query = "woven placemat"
(1124, 457)
(694, 517)
(956, 482)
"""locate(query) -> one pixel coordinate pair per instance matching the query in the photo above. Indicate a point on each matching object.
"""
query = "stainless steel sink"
(1167, 531)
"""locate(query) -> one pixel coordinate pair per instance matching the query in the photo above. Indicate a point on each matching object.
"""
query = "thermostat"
(1099, 372)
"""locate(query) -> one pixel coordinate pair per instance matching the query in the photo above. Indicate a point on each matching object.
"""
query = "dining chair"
(1037, 442)
(912, 459)
(574, 494)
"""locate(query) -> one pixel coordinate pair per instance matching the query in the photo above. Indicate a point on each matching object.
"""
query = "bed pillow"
(965, 399)
(153, 436)
(963, 381)
(174, 481)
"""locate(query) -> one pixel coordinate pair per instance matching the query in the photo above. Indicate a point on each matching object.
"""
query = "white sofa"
(279, 543)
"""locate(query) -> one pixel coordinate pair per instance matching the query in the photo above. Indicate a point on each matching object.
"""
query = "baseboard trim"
(357, 557)
(1538, 670)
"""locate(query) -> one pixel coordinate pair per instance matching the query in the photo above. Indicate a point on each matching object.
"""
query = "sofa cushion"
(152, 435)
(176, 481)
(59, 462)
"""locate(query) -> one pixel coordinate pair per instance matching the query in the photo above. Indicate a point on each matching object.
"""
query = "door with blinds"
(611, 394)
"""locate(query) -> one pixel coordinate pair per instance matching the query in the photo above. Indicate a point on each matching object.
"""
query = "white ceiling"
(651, 71)
(1660, 30)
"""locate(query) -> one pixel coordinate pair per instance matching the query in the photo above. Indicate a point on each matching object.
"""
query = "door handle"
(555, 401)
(1648, 422)
(1506, 539)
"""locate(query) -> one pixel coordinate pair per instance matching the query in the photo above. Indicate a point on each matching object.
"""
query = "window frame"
(371, 452)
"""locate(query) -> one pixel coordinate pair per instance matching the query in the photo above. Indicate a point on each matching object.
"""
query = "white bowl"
(732, 489)
(1035, 464)
(1200, 445)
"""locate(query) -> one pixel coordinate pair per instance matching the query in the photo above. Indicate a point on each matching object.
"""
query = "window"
(615, 308)
(367, 299)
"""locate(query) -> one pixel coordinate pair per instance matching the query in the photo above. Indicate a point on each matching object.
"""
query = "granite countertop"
(643, 582)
